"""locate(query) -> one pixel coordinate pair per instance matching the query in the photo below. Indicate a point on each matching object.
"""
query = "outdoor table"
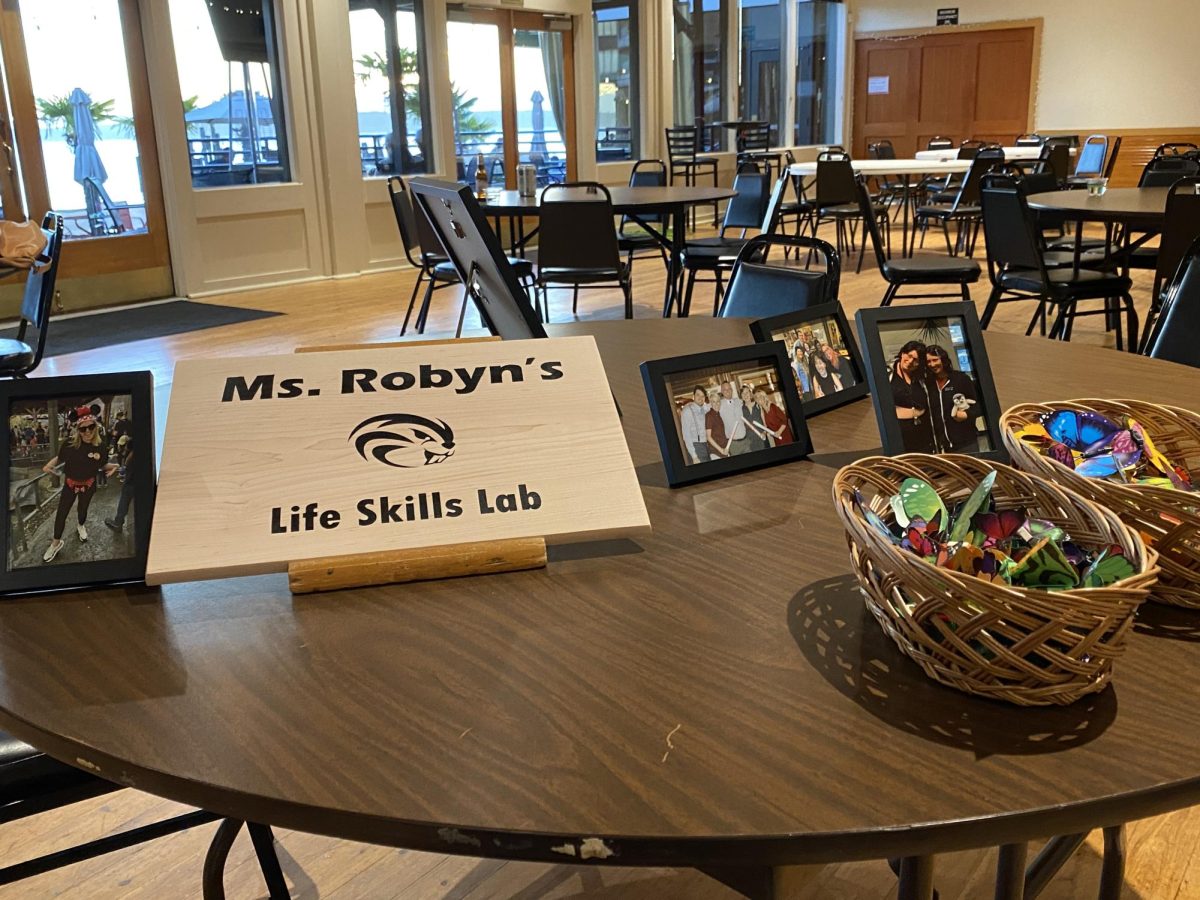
(905, 168)
(639, 204)
(713, 695)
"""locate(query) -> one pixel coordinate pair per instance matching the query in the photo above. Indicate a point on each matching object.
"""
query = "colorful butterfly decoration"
(1097, 447)
(1002, 546)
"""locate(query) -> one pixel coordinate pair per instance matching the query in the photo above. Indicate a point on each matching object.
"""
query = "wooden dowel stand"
(334, 573)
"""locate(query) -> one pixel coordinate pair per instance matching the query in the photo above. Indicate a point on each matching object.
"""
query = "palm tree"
(373, 65)
(57, 114)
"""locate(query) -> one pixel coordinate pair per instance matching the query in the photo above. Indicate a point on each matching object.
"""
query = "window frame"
(635, 72)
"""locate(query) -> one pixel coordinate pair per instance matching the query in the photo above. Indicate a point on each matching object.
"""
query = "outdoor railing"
(37, 492)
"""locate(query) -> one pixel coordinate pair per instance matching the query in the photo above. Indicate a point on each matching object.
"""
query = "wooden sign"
(273, 460)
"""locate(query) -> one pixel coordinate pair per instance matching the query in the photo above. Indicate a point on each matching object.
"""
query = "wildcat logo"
(404, 440)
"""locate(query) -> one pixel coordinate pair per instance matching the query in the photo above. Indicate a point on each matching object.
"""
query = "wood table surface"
(715, 694)
(1136, 206)
(624, 199)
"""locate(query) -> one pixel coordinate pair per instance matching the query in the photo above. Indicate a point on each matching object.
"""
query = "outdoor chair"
(759, 290)
(921, 271)
(1173, 335)
(21, 355)
(754, 205)
(577, 244)
(424, 251)
(103, 216)
(1018, 270)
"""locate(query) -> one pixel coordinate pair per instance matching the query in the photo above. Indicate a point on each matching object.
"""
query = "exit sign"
(947, 15)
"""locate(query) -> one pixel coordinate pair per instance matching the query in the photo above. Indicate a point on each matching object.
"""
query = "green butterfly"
(1045, 566)
(919, 500)
(977, 501)
(1107, 569)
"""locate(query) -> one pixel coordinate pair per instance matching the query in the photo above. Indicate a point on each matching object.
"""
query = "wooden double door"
(957, 84)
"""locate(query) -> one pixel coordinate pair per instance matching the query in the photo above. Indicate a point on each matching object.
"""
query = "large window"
(818, 65)
(228, 57)
(701, 48)
(387, 43)
(616, 79)
(761, 98)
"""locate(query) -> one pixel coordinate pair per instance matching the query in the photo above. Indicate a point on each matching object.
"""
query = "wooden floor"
(1164, 860)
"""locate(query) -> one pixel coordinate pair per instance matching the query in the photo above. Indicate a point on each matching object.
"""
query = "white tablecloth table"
(1018, 153)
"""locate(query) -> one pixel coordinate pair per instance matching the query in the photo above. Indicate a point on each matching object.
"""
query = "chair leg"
(424, 312)
(575, 299)
(966, 292)
(412, 299)
(946, 235)
(687, 294)
(1060, 320)
(890, 294)
(462, 312)
(268, 860)
(718, 292)
(989, 309)
(1131, 322)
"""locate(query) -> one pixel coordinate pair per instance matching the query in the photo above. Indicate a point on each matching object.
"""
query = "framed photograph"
(79, 479)
(930, 380)
(475, 251)
(822, 353)
(725, 411)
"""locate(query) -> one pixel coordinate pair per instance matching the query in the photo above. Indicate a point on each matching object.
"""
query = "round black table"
(1137, 207)
(640, 204)
(712, 696)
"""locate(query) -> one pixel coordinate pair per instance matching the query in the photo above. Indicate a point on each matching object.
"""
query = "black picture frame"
(475, 251)
(767, 330)
(64, 574)
(869, 323)
(656, 375)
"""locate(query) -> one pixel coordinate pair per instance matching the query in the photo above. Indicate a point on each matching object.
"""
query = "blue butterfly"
(1079, 429)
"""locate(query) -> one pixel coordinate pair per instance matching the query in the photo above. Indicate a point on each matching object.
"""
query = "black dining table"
(646, 206)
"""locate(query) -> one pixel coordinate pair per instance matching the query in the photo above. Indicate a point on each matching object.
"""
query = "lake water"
(120, 158)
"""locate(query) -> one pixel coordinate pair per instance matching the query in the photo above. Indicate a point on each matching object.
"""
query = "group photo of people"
(719, 414)
(71, 480)
(819, 358)
(934, 389)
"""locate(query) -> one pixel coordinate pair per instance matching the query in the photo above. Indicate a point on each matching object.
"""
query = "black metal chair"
(1029, 140)
(1056, 158)
(1018, 271)
(1173, 335)
(937, 142)
(577, 244)
(919, 271)
(963, 209)
(800, 209)
(759, 290)
(1177, 148)
(645, 173)
(755, 205)
(1181, 227)
(21, 355)
(683, 145)
(754, 147)
(1164, 171)
(837, 199)
(424, 251)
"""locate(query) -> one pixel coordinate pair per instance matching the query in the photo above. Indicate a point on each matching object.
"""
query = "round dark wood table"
(1137, 207)
(639, 204)
(713, 696)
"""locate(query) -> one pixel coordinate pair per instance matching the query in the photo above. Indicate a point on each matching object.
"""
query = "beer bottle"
(481, 178)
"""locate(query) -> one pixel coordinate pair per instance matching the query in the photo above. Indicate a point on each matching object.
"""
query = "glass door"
(513, 81)
(79, 137)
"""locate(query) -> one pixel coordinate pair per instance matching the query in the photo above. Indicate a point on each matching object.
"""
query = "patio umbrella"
(87, 158)
(538, 121)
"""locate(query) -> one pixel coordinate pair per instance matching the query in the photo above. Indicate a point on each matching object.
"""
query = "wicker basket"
(1025, 646)
(1168, 520)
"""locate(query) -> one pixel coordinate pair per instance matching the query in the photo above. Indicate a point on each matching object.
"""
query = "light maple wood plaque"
(279, 459)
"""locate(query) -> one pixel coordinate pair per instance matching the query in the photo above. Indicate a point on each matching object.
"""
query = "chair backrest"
(647, 173)
(1066, 140)
(1090, 160)
(746, 208)
(1173, 337)
(759, 290)
(406, 218)
(1173, 149)
(576, 227)
(755, 137)
(971, 142)
(835, 180)
(1009, 229)
(1029, 140)
(38, 298)
(770, 220)
(884, 149)
(1181, 226)
(1111, 163)
(682, 141)
(968, 152)
(937, 142)
(985, 160)
(1164, 171)
(1057, 157)
(102, 213)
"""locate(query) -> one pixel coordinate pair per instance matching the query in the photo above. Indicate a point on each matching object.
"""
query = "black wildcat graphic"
(404, 440)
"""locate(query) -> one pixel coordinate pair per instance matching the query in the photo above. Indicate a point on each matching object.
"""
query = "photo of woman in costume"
(83, 457)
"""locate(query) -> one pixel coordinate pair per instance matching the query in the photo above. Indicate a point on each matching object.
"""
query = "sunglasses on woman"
(87, 427)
